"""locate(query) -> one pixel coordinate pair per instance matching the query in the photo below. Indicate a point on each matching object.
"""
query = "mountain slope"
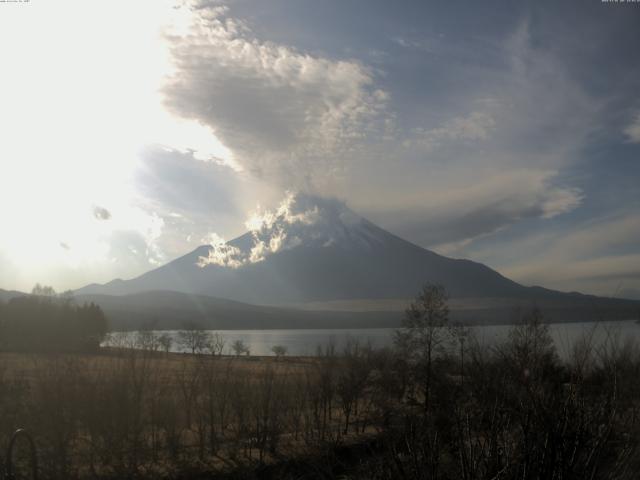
(317, 250)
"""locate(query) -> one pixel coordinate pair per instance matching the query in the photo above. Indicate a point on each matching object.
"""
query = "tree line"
(46, 321)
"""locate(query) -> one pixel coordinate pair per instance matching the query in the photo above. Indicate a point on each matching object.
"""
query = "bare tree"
(352, 378)
(215, 344)
(530, 348)
(193, 338)
(279, 351)
(422, 333)
(240, 348)
(147, 340)
(166, 341)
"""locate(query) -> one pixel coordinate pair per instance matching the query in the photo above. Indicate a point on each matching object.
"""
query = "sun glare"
(79, 99)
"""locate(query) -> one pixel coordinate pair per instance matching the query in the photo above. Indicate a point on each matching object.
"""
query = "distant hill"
(6, 295)
(174, 310)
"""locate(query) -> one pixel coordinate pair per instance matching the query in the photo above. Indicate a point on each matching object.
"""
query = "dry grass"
(124, 412)
(24, 364)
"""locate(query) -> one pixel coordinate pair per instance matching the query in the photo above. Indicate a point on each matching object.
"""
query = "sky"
(503, 132)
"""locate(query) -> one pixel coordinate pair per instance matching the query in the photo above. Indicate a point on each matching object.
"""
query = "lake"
(305, 342)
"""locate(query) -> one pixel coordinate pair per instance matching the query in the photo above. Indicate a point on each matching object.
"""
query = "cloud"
(558, 200)
(194, 198)
(492, 153)
(317, 124)
(271, 231)
(475, 126)
(633, 130)
(598, 275)
(135, 251)
(591, 256)
(101, 213)
(222, 254)
(177, 182)
(299, 220)
(285, 114)
(465, 207)
(500, 121)
(412, 43)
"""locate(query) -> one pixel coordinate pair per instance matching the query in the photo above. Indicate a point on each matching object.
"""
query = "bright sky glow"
(79, 99)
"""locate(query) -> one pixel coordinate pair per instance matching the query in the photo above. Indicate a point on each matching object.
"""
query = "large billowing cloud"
(286, 115)
(325, 125)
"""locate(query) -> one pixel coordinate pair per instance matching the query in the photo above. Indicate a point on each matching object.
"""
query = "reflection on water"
(306, 342)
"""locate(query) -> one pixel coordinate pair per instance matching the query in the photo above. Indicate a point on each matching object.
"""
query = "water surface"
(306, 342)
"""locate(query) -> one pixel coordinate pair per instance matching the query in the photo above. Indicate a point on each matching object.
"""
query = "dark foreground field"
(124, 413)
(515, 411)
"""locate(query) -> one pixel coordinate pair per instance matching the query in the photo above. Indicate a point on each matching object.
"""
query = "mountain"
(326, 252)
(313, 249)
